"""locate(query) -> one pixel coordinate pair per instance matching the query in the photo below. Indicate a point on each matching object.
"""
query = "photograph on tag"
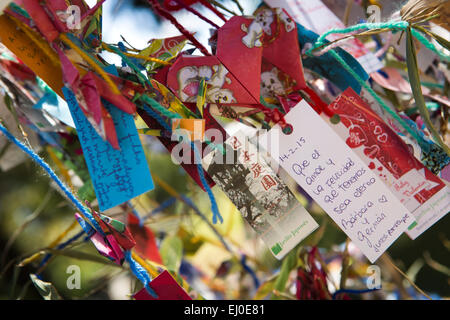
(264, 201)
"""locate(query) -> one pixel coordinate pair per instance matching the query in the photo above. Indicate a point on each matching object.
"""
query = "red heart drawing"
(357, 137)
(377, 130)
(382, 137)
(372, 151)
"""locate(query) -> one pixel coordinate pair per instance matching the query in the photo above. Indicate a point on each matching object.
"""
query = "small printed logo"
(412, 225)
(276, 249)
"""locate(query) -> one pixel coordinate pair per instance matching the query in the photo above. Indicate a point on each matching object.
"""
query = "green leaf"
(45, 289)
(288, 264)
(443, 42)
(265, 289)
(414, 79)
(314, 239)
(172, 252)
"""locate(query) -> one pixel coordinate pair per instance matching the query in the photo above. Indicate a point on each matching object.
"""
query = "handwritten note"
(334, 176)
(117, 175)
(389, 157)
(44, 63)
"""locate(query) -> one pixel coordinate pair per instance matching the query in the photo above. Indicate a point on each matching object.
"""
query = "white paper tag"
(3, 5)
(427, 215)
(260, 195)
(338, 180)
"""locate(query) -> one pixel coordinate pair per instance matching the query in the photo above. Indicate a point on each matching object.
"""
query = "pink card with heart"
(425, 195)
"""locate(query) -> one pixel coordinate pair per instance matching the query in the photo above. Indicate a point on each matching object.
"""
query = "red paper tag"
(281, 49)
(417, 188)
(165, 287)
(145, 240)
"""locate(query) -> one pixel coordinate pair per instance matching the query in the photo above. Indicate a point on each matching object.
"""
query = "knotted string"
(394, 26)
(401, 25)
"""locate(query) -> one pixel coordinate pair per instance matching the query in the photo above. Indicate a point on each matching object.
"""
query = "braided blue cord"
(137, 269)
(140, 273)
(157, 117)
(52, 175)
(212, 199)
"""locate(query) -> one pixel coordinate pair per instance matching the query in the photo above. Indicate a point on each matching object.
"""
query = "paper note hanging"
(117, 175)
(44, 63)
(263, 199)
(334, 176)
